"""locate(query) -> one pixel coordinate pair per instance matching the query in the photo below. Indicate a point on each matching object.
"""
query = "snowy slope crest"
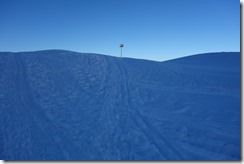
(63, 105)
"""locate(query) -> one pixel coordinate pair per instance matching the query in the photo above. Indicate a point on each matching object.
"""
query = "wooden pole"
(121, 46)
(121, 52)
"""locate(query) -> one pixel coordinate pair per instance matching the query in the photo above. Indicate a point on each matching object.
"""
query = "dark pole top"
(121, 45)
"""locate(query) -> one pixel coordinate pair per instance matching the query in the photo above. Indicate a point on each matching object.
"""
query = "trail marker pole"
(121, 46)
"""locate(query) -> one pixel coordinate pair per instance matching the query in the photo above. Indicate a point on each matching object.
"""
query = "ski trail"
(110, 113)
(35, 113)
(164, 147)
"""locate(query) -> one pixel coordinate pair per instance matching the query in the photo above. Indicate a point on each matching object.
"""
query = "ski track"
(164, 147)
(35, 114)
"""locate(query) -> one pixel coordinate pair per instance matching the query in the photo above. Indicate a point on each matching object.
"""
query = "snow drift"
(63, 105)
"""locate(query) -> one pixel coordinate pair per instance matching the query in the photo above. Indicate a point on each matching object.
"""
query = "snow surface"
(63, 105)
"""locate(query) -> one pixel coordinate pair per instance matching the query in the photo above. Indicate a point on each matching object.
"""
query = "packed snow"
(63, 105)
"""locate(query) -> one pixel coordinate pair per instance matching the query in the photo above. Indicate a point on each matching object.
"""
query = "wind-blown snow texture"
(63, 105)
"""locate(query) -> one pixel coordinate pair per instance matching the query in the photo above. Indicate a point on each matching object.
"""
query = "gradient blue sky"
(150, 29)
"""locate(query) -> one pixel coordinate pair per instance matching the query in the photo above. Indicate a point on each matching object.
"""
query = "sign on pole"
(121, 46)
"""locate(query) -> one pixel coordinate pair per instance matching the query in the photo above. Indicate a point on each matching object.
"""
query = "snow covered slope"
(63, 105)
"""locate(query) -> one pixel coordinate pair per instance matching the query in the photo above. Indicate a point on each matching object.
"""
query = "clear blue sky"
(150, 29)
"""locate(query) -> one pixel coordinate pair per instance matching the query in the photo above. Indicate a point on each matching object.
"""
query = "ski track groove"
(22, 92)
(34, 111)
(163, 146)
(112, 123)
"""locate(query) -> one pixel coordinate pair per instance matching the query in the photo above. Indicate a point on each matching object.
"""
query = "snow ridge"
(64, 105)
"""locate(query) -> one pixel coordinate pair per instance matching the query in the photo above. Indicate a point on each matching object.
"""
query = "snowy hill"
(63, 105)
